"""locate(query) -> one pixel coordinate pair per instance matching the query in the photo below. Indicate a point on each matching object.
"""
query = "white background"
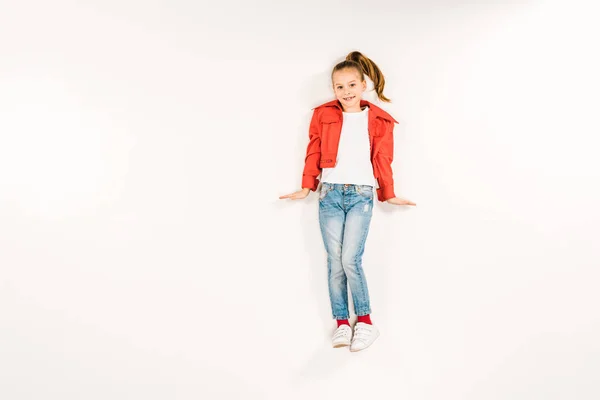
(144, 253)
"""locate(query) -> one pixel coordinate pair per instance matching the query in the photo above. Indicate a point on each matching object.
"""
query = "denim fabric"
(344, 216)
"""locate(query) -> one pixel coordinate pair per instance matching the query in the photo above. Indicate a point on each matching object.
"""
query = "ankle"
(365, 318)
(341, 322)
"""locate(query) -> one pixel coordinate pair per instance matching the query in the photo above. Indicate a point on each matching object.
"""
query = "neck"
(361, 105)
(354, 109)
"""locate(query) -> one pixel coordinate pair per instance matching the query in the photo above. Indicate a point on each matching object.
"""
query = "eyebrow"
(348, 82)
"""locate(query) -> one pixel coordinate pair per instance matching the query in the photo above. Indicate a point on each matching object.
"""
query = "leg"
(331, 220)
(358, 219)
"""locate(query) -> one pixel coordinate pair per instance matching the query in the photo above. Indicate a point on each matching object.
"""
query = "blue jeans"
(344, 216)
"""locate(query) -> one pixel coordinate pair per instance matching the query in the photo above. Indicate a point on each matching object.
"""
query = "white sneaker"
(342, 336)
(364, 336)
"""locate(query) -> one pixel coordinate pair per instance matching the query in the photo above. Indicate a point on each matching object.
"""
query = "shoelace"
(361, 332)
(342, 332)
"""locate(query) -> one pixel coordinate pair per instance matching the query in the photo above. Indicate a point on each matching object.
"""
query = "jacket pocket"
(379, 127)
(329, 119)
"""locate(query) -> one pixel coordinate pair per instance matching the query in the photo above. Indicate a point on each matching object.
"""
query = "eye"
(353, 84)
(339, 87)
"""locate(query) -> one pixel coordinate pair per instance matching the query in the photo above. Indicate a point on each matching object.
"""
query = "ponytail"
(364, 66)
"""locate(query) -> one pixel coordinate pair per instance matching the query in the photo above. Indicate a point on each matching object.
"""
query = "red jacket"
(324, 137)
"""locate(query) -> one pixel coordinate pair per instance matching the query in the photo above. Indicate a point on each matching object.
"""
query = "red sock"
(341, 322)
(365, 318)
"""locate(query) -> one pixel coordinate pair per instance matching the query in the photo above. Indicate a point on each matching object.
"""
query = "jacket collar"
(373, 109)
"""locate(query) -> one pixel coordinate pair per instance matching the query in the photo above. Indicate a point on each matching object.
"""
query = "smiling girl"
(351, 145)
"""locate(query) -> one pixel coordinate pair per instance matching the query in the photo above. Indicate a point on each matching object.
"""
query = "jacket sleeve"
(384, 158)
(313, 155)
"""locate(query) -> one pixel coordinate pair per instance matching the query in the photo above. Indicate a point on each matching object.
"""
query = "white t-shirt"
(354, 153)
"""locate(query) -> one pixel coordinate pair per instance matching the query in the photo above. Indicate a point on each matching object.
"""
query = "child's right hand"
(300, 194)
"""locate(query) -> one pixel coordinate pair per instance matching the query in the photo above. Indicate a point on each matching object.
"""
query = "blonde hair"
(364, 66)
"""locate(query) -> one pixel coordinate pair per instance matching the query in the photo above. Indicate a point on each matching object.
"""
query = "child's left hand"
(400, 202)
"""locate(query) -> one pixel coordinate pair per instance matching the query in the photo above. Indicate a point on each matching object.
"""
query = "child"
(351, 146)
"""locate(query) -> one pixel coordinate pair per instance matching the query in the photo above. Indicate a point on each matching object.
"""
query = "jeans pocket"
(324, 190)
(365, 191)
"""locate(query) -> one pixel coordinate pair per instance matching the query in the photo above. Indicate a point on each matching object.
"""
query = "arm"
(383, 159)
(313, 155)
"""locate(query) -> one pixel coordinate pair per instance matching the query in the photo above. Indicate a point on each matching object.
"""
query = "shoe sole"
(354, 351)
(336, 346)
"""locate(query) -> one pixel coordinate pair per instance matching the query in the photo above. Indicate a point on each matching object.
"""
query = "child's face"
(348, 88)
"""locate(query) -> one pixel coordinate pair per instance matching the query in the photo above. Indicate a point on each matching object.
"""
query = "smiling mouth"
(349, 98)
